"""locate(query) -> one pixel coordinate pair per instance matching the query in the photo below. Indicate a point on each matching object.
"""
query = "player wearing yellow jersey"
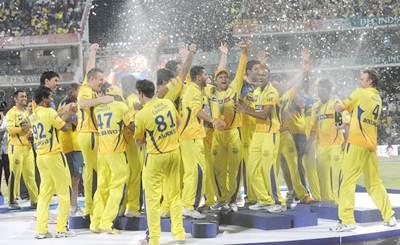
(292, 115)
(20, 151)
(52, 164)
(156, 125)
(192, 134)
(87, 130)
(330, 140)
(360, 156)
(134, 192)
(210, 184)
(310, 157)
(253, 69)
(170, 86)
(112, 165)
(70, 147)
(264, 146)
(226, 144)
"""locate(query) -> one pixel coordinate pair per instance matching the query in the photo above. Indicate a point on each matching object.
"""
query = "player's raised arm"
(223, 60)
(91, 62)
(237, 82)
(188, 61)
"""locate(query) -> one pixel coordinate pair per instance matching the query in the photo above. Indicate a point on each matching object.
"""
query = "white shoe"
(275, 209)
(44, 235)
(193, 214)
(258, 206)
(391, 223)
(130, 214)
(343, 228)
(234, 207)
(220, 206)
(65, 234)
(217, 206)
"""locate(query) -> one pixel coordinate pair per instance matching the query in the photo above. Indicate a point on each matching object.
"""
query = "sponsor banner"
(386, 151)
(250, 26)
(21, 80)
(375, 21)
(18, 80)
(39, 40)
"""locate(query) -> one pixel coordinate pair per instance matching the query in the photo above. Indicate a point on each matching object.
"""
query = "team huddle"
(189, 140)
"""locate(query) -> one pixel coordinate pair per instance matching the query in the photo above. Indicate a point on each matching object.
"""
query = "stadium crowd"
(288, 10)
(39, 17)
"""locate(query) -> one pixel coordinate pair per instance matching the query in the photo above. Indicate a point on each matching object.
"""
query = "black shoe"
(14, 206)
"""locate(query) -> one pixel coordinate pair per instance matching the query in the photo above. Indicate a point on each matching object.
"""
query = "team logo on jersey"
(17, 162)
(235, 150)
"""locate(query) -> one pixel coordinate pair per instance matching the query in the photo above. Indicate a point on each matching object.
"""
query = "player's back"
(86, 119)
(110, 120)
(158, 121)
(45, 122)
(366, 105)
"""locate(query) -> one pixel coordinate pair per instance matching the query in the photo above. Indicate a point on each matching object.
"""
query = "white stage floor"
(18, 228)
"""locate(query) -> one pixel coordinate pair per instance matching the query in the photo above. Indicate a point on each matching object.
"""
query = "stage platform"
(17, 227)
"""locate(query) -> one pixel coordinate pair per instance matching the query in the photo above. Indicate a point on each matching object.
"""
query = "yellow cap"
(221, 70)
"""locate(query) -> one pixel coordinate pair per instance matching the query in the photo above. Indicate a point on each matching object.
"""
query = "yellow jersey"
(224, 104)
(293, 118)
(311, 119)
(249, 98)
(45, 126)
(328, 133)
(131, 100)
(156, 122)
(268, 96)
(192, 102)
(14, 119)
(366, 106)
(86, 117)
(111, 119)
(68, 139)
(175, 86)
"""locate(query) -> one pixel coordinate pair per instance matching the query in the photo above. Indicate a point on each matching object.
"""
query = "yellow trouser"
(210, 184)
(263, 156)
(247, 132)
(226, 158)
(329, 162)
(21, 163)
(358, 160)
(160, 168)
(311, 169)
(88, 142)
(134, 184)
(194, 176)
(337, 175)
(113, 171)
(287, 150)
(55, 178)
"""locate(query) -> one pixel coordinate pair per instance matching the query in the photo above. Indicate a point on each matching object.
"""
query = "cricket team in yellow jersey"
(191, 145)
